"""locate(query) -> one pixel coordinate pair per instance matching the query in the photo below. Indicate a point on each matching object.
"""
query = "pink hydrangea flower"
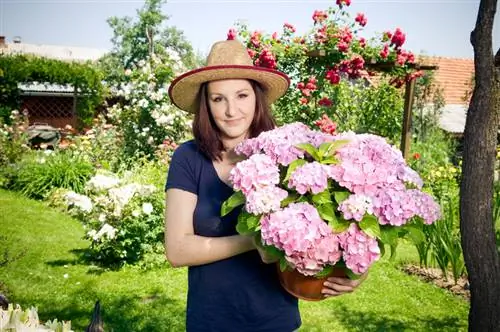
(374, 172)
(265, 199)
(427, 208)
(360, 250)
(355, 207)
(311, 177)
(394, 206)
(369, 163)
(253, 173)
(308, 242)
(280, 143)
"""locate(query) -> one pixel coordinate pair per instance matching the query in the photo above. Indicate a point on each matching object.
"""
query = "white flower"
(66, 276)
(92, 234)
(108, 231)
(151, 140)
(147, 208)
(80, 201)
(136, 213)
(102, 217)
(128, 72)
(143, 103)
(164, 120)
(102, 182)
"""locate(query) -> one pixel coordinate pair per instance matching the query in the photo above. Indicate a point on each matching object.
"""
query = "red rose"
(385, 52)
(319, 16)
(398, 38)
(325, 102)
(288, 26)
(326, 125)
(361, 19)
(231, 35)
(333, 76)
(343, 2)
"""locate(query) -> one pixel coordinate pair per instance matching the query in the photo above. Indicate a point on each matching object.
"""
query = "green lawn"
(49, 274)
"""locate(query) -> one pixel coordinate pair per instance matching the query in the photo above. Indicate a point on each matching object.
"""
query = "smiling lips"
(233, 122)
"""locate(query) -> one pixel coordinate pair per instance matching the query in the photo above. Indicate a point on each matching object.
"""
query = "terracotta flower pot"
(305, 287)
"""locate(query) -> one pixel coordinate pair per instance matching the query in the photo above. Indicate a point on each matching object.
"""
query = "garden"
(83, 221)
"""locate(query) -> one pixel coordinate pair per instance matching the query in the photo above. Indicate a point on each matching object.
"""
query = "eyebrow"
(221, 94)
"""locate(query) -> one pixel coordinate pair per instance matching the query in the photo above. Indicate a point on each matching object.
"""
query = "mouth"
(233, 122)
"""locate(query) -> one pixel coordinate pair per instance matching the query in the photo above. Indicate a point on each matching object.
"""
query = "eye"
(217, 99)
(242, 95)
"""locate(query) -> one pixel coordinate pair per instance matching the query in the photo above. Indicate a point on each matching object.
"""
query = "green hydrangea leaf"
(232, 202)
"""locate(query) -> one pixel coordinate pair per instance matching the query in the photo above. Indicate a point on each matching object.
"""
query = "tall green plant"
(39, 173)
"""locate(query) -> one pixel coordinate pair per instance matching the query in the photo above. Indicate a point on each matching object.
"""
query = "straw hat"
(227, 59)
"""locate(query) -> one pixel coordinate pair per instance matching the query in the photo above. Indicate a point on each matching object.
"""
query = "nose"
(231, 107)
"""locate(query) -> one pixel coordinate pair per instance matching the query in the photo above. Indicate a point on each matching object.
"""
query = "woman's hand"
(335, 286)
(264, 255)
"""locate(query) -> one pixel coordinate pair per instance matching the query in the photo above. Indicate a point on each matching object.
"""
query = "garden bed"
(436, 277)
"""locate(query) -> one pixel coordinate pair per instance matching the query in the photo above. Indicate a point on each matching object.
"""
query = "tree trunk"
(476, 191)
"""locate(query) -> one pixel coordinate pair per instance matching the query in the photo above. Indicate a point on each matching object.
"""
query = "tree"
(138, 40)
(476, 192)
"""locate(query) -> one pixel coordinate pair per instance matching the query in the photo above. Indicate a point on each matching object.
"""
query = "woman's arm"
(183, 247)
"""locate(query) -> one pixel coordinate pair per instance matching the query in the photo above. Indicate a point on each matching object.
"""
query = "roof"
(453, 76)
(45, 89)
(65, 53)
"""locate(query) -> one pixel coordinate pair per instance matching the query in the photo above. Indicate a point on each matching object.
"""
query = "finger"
(338, 287)
(329, 292)
(344, 281)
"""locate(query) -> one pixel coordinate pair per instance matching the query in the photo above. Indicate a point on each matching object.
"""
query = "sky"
(432, 27)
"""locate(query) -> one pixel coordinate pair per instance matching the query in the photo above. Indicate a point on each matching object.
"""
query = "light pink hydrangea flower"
(253, 173)
(396, 207)
(311, 177)
(360, 250)
(427, 208)
(280, 143)
(264, 200)
(355, 207)
(368, 163)
(308, 242)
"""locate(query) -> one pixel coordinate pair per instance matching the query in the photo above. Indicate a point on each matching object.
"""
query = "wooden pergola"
(409, 95)
(408, 105)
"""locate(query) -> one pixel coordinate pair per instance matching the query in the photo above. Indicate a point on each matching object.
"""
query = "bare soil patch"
(436, 277)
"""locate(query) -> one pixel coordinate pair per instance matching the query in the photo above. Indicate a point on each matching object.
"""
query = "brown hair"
(206, 133)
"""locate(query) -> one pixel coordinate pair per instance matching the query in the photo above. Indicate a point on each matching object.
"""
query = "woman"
(230, 286)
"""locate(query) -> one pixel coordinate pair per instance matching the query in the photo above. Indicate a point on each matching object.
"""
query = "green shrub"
(13, 139)
(42, 171)
(123, 219)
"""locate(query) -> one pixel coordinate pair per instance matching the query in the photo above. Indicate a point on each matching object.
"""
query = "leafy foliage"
(140, 39)
(84, 77)
(330, 68)
(41, 172)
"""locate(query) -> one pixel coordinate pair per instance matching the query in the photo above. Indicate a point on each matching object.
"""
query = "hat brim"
(184, 89)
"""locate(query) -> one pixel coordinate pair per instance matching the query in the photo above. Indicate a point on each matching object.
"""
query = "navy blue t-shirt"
(239, 293)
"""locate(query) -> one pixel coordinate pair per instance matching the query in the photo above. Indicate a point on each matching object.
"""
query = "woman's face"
(232, 104)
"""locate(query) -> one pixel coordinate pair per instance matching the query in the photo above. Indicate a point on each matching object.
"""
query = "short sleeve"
(182, 171)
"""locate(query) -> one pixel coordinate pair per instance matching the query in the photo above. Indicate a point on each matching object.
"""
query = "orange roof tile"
(453, 76)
